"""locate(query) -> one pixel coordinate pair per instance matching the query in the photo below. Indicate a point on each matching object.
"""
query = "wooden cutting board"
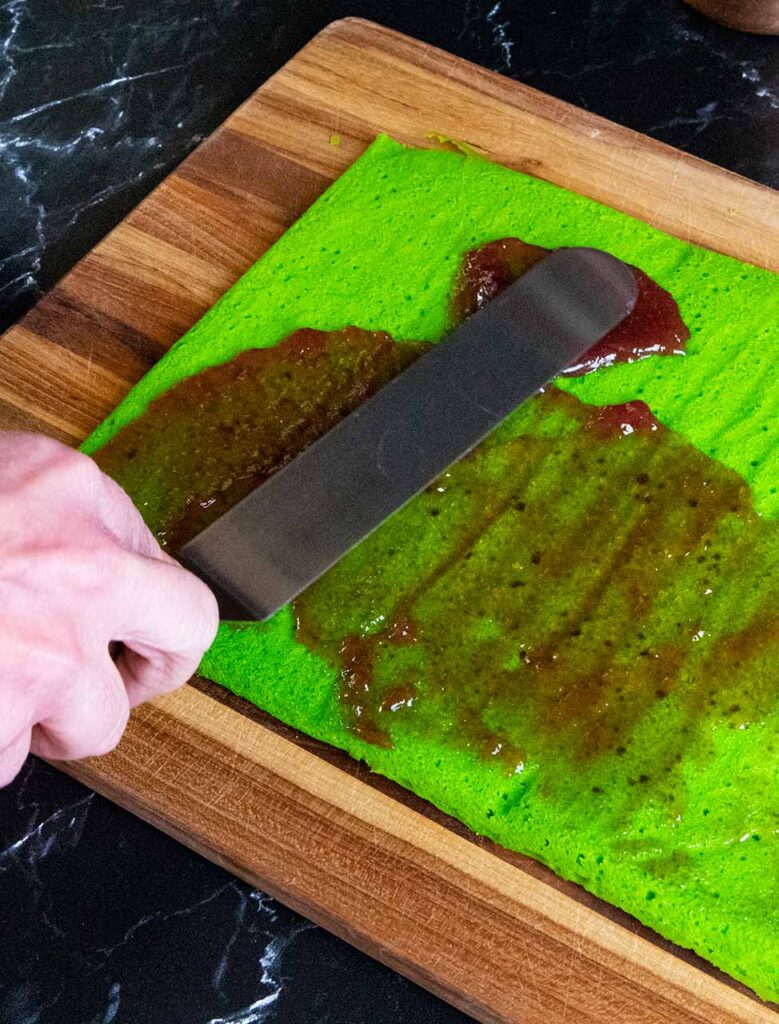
(494, 933)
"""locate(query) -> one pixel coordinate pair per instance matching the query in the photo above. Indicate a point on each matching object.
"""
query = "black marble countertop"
(103, 919)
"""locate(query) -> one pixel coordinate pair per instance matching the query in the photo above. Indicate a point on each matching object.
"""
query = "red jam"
(654, 328)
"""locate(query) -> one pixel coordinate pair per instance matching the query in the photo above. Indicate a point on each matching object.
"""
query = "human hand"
(78, 570)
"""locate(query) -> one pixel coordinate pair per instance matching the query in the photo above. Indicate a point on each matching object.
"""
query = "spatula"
(285, 534)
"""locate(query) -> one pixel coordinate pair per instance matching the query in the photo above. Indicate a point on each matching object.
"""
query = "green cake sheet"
(379, 250)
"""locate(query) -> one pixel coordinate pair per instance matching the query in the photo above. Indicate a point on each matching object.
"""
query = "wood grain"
(490, 931)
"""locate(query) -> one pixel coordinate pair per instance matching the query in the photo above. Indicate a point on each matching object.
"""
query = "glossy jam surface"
(655, 326)
(486, 271)
(213, 438)
(583, 590)
(569, 584)
(565, 596)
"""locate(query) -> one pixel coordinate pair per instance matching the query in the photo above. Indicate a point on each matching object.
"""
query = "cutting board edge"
(750, 1012)
(653, 970)
(336, 27)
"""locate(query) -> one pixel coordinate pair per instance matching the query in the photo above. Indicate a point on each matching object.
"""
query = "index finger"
(166, 617)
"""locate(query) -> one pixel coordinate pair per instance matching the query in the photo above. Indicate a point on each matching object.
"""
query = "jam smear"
(655, 326)
(626, 418)
(578, 683)
(584, 588)
(596, 594)
(486, 271)
(213, 438)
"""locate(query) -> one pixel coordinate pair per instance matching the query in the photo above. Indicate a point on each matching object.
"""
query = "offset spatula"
(291, 529)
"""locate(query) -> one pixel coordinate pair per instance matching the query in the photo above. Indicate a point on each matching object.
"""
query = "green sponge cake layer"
(380, 249)
(570, 642)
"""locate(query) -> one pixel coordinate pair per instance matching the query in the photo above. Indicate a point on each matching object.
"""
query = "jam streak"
(563, 589)
(655, 326)
(213, 438)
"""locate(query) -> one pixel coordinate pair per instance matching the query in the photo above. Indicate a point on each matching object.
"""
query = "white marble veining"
(106, 921)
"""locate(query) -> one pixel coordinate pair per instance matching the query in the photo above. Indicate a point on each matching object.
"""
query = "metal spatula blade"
(291, 529)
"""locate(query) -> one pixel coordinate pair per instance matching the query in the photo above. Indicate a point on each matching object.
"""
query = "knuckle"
(54, 457)
(105, 744)
(202, 620)
(80, 465)
(123, 520)
(210, 617)
(52, 660)
(88, 720)
(89, 567)
(33, 447)
(8, 772)
(113, 724)
(19, 694)
(68, 475)
(12, 757)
